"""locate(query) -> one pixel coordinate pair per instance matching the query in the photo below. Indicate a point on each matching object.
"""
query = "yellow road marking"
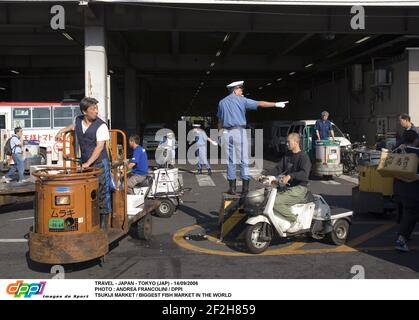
(371, 234)
(292, 249)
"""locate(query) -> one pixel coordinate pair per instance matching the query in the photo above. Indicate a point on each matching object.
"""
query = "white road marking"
(349, 179)
(12, 240)
(205, 181)
(330, 182)
(20, 219)
(238, 180)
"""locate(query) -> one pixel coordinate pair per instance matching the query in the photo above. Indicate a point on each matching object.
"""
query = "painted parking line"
(330, 182)
(205, 181)
(371, 234)
(295, 248)
(349, 179)
(13, 240)
(21, 219)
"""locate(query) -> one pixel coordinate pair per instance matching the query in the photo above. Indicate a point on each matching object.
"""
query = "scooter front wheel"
(252, 237)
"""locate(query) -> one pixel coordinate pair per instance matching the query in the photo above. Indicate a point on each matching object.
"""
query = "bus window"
(76, 111)
(22, 118)
(41, 117)
(63, 116)
(2, 121)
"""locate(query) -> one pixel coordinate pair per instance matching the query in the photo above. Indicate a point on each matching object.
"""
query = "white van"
(306, 130)
(279, 136)
(149, 136)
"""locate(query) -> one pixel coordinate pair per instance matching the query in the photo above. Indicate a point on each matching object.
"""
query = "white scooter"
(314, 215)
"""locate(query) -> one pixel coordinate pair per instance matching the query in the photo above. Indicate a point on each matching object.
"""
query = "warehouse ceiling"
(195, 50)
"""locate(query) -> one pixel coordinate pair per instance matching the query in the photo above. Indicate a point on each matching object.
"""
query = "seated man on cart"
(138, 164)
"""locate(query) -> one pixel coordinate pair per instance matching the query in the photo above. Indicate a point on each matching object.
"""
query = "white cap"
(235, 84)
(196, 125)
(170, 135)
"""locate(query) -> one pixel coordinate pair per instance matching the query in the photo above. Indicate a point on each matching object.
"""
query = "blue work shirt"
(141, 162)
(201, 138)
(232, 110)
(324, 128)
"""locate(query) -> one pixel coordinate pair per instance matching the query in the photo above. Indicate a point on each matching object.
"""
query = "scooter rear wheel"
(339, 233)
(252, 234)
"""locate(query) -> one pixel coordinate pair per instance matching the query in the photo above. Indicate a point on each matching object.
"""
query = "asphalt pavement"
(169, 255)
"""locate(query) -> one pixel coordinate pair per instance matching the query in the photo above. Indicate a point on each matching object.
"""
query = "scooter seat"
(308, 198)
(147, 182)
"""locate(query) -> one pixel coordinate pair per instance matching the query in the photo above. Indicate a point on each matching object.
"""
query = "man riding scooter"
(295, 166)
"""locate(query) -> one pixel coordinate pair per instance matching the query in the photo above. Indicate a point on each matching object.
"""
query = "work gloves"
(281, 104)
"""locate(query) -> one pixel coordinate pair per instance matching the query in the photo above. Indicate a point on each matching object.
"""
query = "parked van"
(279, 136)
(306, 130)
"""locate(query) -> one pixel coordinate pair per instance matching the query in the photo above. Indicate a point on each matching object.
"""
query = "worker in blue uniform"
(201, 139)
(232, 127)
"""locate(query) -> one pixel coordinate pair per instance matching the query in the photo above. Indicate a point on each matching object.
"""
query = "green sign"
(56, 224)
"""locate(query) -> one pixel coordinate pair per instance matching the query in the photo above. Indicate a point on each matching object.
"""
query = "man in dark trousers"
(295, 167)
(92, 134)
(407, 193)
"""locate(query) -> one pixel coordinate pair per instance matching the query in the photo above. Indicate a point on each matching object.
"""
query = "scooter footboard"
(304, 213)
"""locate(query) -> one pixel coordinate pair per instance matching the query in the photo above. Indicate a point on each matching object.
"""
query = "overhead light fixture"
(279, 79)
(260, 88)
(226, 37)
(212, 64)
(208, 72)
(202, 83)
(14, 71)
(269, 84)
(362, 40)
(111, 71)
(218, 53)
(2, 88)
(292, 73)
(309, 65)
(65, 34)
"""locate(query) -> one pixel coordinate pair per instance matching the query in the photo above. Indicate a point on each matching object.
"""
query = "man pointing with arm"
(232, 125)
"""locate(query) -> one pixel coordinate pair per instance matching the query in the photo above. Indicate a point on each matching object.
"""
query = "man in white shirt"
(92, 134)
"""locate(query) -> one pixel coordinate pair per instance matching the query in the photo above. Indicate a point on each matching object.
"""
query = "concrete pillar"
(130, 79)
(413, 84)
(96, 67)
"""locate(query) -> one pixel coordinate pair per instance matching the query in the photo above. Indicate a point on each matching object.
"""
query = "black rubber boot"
(209, 171)
(245, 189)
(232, 187)
(199, 171)
(104, 218)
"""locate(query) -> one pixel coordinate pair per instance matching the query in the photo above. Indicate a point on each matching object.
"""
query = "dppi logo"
(27, 290)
